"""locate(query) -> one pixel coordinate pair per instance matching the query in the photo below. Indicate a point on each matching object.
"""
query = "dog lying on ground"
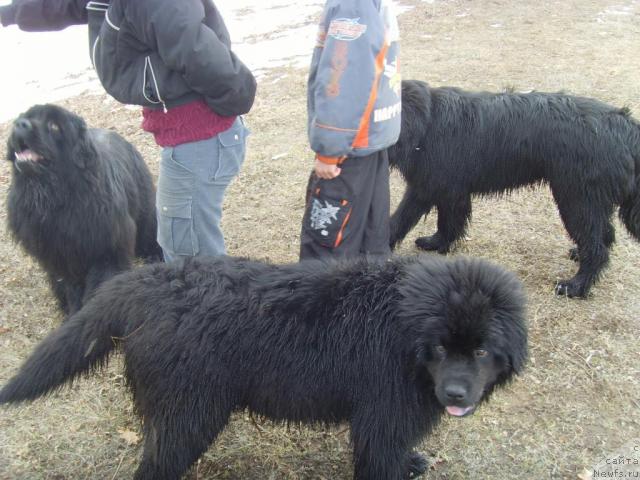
(81, 201)
(388, 347)
(455, 144)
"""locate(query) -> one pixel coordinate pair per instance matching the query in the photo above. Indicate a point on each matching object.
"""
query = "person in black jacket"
(174, 59)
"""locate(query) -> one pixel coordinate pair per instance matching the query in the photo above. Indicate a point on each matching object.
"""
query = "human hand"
(325, 170)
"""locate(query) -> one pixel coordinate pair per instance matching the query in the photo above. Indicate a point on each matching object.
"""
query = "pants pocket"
(176, 232)
(231, 152)
(327, 217)
(177, 176)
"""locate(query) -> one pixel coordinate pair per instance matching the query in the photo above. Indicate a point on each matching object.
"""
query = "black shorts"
(348, 215)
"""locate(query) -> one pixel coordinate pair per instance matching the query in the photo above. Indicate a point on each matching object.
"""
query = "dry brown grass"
(579, 397)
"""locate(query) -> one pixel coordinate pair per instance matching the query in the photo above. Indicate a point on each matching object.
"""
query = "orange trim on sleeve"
(362, 137)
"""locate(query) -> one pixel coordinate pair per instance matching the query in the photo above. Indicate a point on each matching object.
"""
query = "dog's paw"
(574, 255)
(432, 243)
(571, 289)
(417, 465)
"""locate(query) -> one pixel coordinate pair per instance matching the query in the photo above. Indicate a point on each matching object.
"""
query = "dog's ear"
(518, 354)
(82, 152)
(514, 346)
(420, 354)
(509, 319)
(515, 331)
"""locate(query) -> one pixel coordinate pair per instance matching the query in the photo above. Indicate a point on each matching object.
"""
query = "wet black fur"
(83, 210)
(311, 342)
(455, 144)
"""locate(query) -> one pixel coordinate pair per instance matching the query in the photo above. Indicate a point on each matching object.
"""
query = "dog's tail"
(630, 207)
(79, 345)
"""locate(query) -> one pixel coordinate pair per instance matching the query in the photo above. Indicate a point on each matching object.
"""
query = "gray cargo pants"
(191, 184)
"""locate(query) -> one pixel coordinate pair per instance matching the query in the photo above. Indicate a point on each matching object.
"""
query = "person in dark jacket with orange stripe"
(354, 110)
(175, 60)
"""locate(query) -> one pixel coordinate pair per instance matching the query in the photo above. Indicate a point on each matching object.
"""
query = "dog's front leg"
(384, 466)
(376, 463)
(381, 449)
(73, 297)
(417, 464)
(411, 208)
(454, 213)
(100, 273)
(59, 290)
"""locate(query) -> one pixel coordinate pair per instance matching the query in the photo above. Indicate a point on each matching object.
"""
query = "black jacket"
(42, 16)
(155, 53)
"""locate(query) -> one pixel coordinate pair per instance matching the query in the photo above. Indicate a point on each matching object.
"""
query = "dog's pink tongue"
(458, 411)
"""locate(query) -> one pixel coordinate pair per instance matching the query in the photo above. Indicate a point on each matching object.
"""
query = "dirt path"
(579, 399)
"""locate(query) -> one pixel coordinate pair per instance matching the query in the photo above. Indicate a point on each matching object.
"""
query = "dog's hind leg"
(411, 208)
(176, 435)
(589, 225)
(609, 239)
(453, 217)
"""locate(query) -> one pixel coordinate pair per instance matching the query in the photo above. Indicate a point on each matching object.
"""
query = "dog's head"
(465, 324)
(46, 138)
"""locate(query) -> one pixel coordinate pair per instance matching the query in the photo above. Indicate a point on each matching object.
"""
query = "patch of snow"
(49, 66)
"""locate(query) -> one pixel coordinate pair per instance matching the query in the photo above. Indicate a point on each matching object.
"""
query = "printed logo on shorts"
(347, 29)
(322, 216)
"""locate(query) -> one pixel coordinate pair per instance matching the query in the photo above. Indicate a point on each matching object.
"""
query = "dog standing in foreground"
(455, 144)
(388, 347)
(81, 201)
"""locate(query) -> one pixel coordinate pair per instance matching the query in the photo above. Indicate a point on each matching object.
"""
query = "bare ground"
(579, 399)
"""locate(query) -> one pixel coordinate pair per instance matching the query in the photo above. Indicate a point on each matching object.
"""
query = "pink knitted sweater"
(186, 123)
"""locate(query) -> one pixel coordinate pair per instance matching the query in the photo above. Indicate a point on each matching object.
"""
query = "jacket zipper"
(147, 61)
(101, 7)
(93, 53)
(108, 20)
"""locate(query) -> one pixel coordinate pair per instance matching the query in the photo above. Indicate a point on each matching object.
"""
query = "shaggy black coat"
(455, 144)
(81, 201)
(386, 347)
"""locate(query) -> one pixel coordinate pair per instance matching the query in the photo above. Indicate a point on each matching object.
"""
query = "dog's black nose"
(22, 124)
(455, 392)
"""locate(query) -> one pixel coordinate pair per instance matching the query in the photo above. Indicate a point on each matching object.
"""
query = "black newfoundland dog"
(455, 144)
(81, 201)
(388, 347)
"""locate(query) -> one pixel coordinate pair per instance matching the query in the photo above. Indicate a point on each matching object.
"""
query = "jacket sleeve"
(346, 66)
(44, 15)
(207, 64)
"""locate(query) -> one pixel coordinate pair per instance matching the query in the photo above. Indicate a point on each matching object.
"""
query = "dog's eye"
(480, 353)
(53, 127)
(440, 350)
